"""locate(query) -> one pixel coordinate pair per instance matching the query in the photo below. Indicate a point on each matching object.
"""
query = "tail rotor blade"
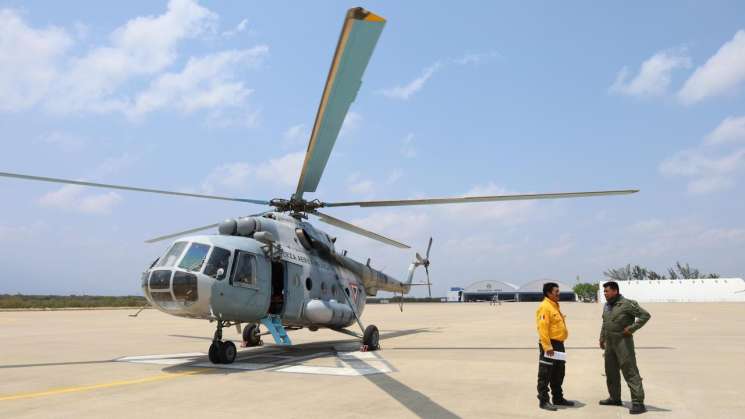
(429, 246)
(429, 283)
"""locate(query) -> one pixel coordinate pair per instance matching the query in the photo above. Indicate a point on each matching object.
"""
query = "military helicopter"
(275, 268)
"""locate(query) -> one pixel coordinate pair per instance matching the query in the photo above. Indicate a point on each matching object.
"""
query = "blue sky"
(458, 99)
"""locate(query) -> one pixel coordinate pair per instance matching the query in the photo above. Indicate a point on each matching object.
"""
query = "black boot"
(547, 406)
(610, 402)
(563, 402)
(637, 408)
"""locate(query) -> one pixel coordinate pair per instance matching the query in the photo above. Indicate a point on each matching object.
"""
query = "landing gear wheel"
(371, 338)
(251, 335)
(227, 352)
(214, 353)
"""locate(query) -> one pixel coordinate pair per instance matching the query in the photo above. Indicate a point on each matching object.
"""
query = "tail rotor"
(424, 261)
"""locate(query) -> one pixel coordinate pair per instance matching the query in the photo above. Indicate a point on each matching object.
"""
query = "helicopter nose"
(174, 290)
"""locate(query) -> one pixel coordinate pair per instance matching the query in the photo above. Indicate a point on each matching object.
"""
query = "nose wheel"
(221, 352)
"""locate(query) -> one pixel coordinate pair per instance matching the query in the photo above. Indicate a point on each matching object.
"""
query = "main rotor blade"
(181, 233)
(359, 34)
(361, 231)
(473, 199)
(194, 230)
(128, 188)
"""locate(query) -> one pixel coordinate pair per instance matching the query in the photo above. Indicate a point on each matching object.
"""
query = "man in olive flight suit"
(552, 332)
(621, 318)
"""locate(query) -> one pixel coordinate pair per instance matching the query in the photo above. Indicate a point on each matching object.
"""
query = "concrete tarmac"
(469, 360)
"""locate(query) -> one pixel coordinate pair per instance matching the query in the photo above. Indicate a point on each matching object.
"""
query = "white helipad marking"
(350, 372)
(168, 359)
(351, 363)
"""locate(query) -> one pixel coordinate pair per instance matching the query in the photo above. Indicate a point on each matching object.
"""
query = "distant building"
(455, 294)
(682, 290)
(533, 291)
(487, 290)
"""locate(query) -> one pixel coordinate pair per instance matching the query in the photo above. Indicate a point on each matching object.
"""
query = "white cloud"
(562, 247)
(406, 91)
(296, 134)
(104, 78)
(28, 60)
(408, 149)
(654, 75)
(73, 198)
(708, 174)
(63, 141)
(21, 233)
(205, 83)
(475, 57)
(672, 239)
(506, 213)
(394, 176)
(731, 130)
(358, 186)
(144, 46)
(722, 73)
(283, 171)
(241, 27)
(351, 123)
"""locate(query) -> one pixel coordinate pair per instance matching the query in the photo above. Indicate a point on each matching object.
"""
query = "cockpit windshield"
(194, 257)
(173, 254)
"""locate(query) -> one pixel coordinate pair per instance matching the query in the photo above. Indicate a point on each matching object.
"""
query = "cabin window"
(194, 257)
(173, 254)
(160, 280)
(308, 284)
(185, 287)
(218, 260)
(245, 270)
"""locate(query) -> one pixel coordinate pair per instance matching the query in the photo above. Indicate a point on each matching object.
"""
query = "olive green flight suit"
(619, 349)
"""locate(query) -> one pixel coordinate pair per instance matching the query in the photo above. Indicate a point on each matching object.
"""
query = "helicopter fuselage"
(278, 265)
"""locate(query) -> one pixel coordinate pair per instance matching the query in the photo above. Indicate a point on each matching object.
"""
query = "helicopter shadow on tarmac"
(370, 365)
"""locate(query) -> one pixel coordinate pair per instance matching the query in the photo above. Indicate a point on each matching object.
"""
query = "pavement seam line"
(63, 390)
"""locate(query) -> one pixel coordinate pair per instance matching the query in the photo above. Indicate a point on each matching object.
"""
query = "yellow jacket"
(550, 324)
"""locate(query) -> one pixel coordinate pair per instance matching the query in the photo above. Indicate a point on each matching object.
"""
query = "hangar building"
(682, 290)
(533, 291)
(487, 290)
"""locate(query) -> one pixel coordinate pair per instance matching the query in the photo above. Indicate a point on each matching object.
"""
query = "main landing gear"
(221, 352)
(371, 338)
(252, 335)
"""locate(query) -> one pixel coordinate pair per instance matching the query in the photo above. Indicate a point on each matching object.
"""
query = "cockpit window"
(194, 257)
(173, 254)
(218, 260)
(244, 270)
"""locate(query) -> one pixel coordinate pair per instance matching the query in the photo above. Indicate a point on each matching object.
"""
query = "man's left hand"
(627, 331)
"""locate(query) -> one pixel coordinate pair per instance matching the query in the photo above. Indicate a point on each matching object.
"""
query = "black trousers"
(550, 374)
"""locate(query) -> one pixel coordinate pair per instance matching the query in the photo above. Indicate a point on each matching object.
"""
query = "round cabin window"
(309, 284)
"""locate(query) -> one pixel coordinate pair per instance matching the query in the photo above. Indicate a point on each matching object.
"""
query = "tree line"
(9, 301)
(636, 272)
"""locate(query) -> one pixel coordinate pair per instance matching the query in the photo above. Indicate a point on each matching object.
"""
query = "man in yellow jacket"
(552, 332)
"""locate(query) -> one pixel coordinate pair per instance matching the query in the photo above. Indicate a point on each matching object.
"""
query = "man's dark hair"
(548, 287)
(612, 285)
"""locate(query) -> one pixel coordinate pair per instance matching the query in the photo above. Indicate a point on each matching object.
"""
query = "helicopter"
(275, 269)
